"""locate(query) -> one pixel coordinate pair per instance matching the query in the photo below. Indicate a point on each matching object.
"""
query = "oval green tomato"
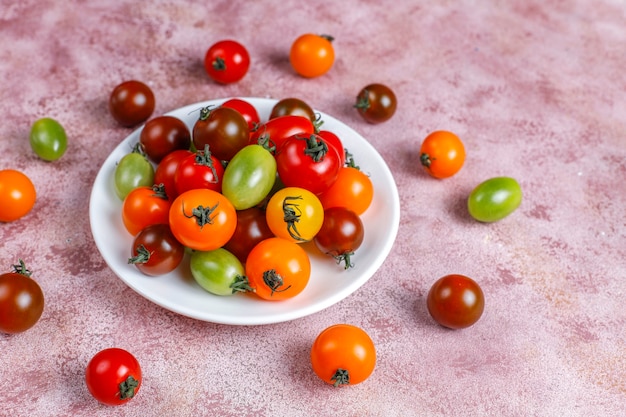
(249, 176)
(133, 171)
(48, 139)
(494, 199)
(218, 271)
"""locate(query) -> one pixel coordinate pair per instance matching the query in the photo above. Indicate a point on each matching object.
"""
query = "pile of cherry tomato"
(240, 195)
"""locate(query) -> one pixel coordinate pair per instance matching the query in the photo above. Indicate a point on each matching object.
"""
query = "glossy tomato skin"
(217, 271)
(335, 142)
(224, 129)
(202, 219)
(163, 135)
(278, 269)
(273, 133)
(227, 61)
(442, 154)
(113, 376)
(21, 302)
(292, 106)
(17, 193)
(155, 250)
(166, 170)
(352, 189)
(249, 176)
(199, 170)
(48, 139)
(455, 301)
(131, 103)
(251, 229)
(145, 206)
(132, 171)
(294, 214)
(299, 164)
(341, 234)
(376, 103)
(312, 55)
(246, 109)
(494, 199)
(343, 354)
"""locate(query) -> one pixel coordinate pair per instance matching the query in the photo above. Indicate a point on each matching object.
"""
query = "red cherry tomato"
(113, 376)
(455, 301)
(199, 170)
(227, 61)
(273, 133)
(247, 110)
(166, 171)
(145, 206)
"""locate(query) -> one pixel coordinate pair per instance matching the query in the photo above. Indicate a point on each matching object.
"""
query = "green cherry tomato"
(132, 171)
(48, 139)
(249, 176)
(218, 271)
(494, 199)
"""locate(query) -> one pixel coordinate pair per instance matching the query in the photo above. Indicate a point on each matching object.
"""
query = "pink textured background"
(536, 89)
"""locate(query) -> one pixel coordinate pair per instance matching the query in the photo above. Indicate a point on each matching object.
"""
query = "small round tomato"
(202, 219)
(455, 301)
(249, 176)
(308, 162)
(376, 103)
(166, 171)
(223, 129)
(294, 214)
(199, 170)
(442, 154)
(163, 135)
(335, 142)
(17, 194)
(131, 102)
(278, 269)
(251, 229)
(246, 109)
(494, 199)
(113, 376)
(292, 106)
(341, 234)
(343, 354)
(145, 206)
(132, 171)
(312, 55)
(48, 139)
(156, 251)
(352, 189)
(21, 300)
(273, 133)
(227, 61)
(218, 272)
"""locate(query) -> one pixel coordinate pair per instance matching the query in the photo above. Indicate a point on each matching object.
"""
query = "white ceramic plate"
(329, 282)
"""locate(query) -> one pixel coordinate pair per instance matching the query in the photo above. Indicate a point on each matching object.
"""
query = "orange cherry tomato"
(312, 55)
(343, 355)
(278, 269)
(145, 206)
(202, 219)
(17, 195)
(352, 189)
(442, 154)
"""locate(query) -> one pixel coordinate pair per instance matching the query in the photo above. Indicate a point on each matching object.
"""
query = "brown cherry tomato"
(131, 103)
(376, 103)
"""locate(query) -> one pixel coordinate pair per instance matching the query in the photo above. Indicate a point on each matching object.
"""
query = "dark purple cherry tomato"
(131, 103)
(341, 234)
(376, 103)
(294, 107)
(251, 229)
(21, 300)
(156, 251)
(224, 129)
(455, 301)
(162, 135)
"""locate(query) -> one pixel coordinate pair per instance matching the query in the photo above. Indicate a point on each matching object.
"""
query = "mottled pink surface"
(536, 90)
